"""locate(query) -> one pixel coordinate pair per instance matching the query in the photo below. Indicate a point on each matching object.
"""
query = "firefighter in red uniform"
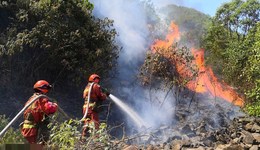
(96, 98)
(34, 127)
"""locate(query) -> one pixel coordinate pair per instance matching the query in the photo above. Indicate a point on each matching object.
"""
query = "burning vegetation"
(186, 67)
(167, 122)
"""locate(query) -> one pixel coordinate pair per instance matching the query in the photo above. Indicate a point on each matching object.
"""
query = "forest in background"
(62, 42)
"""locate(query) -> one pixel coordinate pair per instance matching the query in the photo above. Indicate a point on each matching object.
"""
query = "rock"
(146, 138)
(256, 128)
(233, 135)
(199, 148)
(247, 137)
(173, 138)
(256, 137)
(167, 147)
(208, 143)
(229, 147)
(249, 126)
(151, 147)
(237, 140)
(131, 147)
(177, 144)
(186, 129)
(245, 120)
(241, 134)
(246, 146)
(257, 120)
(254, 147)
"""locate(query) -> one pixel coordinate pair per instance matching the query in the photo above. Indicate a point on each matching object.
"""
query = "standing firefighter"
(92, 105)
(34, 127)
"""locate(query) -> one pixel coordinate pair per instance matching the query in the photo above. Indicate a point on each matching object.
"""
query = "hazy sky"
(206, 6)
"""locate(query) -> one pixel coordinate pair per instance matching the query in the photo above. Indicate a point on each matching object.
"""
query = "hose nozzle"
(105, 91)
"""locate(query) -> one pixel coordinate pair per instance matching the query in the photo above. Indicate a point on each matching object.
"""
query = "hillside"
(163, 93)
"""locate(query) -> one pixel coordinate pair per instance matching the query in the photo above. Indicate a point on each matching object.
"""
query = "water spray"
(136, 118)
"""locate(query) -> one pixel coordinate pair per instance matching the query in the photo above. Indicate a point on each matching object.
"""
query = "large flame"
(206, 81)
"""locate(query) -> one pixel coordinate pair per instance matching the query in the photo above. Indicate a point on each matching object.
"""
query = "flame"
(206, 81)
(174, 35)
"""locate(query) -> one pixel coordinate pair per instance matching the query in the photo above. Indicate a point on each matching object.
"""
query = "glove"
(107, 93)
(51, 107)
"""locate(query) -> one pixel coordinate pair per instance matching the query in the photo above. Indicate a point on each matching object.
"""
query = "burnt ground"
(205, 124)
(201, 128)
(243, 133)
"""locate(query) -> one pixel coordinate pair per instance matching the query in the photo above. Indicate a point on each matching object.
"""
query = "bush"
(253, 109)
(67, 135)
(11, 136)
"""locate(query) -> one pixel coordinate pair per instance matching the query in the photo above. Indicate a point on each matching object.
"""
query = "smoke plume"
(131, 24)
(155, 107)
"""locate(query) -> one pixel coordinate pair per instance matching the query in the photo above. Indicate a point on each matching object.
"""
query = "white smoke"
(130, 22)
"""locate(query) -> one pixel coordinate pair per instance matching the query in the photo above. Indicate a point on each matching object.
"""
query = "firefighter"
(36, 116)
(97, 96)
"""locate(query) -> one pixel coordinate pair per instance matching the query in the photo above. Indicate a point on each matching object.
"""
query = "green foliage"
(254, 93)
(54, 40)
(251, 73)
(11, 136)
(253, 109)
(98, 138)
(64, 135)
(232, 45)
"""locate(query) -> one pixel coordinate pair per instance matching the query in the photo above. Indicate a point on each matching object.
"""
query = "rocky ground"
(243, 133)
(202, 126)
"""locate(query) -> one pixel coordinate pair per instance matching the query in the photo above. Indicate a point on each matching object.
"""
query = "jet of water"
(136, 118)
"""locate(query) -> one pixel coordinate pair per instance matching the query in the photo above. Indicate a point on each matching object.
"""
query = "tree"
(231, 43)
(60, 41)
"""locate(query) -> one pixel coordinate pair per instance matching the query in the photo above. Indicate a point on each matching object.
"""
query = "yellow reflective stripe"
(90, 104)
(28, 126)
(89, 124)
(87, 119)
(28, 122)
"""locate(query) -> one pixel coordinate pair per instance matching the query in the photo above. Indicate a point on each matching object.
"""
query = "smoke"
(155, 107)
(131, 24)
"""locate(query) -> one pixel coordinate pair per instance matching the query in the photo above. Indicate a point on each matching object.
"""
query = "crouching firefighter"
(92, 103)
(34, 128)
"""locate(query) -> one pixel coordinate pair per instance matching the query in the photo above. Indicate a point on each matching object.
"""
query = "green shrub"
(11, 136)
(64, 135)
(253, 109)
(67, 135)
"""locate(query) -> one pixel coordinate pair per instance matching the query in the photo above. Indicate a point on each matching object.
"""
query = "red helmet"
(42, 86)
(93, 77)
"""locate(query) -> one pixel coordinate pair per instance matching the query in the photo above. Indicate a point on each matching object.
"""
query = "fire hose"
(86, 112)
(24, 108)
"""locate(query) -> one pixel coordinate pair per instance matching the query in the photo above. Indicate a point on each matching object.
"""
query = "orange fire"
(206, 81)
(173, 35)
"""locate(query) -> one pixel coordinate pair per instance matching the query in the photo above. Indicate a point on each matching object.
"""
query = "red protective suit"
(35, 117)
(96, 97)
